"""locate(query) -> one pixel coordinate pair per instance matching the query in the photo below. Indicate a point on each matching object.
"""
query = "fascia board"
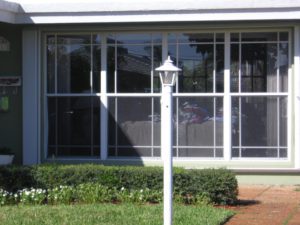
(220, 16)
(7, 17)
(86, 6)
(8, 11)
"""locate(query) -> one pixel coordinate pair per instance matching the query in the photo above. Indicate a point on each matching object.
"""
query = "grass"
(110, 214)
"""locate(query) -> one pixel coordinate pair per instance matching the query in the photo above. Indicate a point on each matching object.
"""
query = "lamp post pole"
(166, 146)
(168, 73)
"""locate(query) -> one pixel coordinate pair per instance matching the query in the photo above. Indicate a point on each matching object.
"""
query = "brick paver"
(267, 205)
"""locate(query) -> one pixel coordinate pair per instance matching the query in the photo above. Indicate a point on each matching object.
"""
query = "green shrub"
(14, 178)
(49, 176)
(217, 185)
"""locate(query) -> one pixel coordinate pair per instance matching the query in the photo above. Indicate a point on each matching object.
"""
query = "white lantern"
(168, 72)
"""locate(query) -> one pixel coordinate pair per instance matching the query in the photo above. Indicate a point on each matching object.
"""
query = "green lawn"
(110, 214)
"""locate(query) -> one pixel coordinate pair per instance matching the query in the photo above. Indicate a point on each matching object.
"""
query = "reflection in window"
(259, 63)
(131, 61)
(199, 126)
(196, 63)
(259, 123)
(134, 126)
(259, 36)
(73, 68)
(74, 125)
(258, 70)
(73, 65)
(254, 64)
(134, 68)
(201, 58)
(51, 49)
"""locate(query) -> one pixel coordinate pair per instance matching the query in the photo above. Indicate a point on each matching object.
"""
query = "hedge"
(219, 185)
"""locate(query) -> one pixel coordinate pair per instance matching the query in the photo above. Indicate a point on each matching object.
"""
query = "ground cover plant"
(110, 214)
(90, 193)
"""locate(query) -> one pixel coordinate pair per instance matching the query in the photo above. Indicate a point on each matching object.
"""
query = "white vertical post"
(104, 100)
(164, 57)
(296, 74)
(168, 74)
(164, 46)
(31, 94)
(166, 147)
(227, 101)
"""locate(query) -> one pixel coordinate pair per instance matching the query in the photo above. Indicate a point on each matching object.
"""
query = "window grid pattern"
(73, 95)
(143, 92)
(270, 48)
(195, 53)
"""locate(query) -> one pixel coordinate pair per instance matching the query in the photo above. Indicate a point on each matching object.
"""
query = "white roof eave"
(8, 11)
(141, 17)
(132, 11)
(65, 6)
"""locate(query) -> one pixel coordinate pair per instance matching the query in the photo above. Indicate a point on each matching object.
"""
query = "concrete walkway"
(267, 205)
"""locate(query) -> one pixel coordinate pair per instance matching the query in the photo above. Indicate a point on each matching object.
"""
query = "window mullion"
(227, 100)
(104, 100)
(91, 98)
(56, 105)
(214, 91)
(164, 57)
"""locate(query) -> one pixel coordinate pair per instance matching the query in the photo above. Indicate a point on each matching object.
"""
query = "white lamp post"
(168, 74)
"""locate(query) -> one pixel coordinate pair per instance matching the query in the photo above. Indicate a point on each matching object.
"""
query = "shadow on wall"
(74, 131)
(130, 127)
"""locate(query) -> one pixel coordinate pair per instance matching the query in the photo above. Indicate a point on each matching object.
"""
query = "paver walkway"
(267, 205)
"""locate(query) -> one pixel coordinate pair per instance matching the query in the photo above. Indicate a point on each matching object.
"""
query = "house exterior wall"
(11, 65)
(24, 128)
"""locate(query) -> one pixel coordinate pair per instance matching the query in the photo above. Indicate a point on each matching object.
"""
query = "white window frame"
(287, 94)
(104, 95)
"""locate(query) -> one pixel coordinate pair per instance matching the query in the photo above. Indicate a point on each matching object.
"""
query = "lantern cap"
(168, 66)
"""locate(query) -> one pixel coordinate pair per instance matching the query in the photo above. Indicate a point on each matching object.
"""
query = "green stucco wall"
(11, 65)
(268, 179)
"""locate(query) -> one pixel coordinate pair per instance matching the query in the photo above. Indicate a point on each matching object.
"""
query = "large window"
(259, 77)
(131, 60)
(198, 103)
(73, 108)
(134, 119)
(257, 91)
